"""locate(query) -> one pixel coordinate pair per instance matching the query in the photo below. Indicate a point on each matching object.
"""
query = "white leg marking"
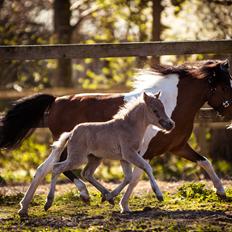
(207, 166)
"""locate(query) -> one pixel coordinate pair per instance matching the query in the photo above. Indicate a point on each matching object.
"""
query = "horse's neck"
(137, 119)
(191, 97)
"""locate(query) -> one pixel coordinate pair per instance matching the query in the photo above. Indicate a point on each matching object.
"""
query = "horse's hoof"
(47, 206)
(222, 196)
(160, 198)
(111, 201)
(103, 199)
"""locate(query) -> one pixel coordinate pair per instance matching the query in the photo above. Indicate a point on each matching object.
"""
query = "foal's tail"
(59, 145)
(62, 141)
(21, 120)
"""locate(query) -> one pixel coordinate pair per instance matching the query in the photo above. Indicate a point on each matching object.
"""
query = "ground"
(188, 206)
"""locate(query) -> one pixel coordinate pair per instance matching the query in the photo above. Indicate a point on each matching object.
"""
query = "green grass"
(192, 207)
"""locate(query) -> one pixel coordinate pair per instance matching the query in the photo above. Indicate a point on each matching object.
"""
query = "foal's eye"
(156, 112)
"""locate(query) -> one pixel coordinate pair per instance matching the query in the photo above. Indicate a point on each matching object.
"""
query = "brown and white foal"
(117, 139)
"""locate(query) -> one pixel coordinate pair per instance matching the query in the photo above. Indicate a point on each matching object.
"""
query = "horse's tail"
(21, 120)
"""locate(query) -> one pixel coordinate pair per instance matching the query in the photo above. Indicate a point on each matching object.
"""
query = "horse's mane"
(127, 107)
(198, 69)
(146, 78)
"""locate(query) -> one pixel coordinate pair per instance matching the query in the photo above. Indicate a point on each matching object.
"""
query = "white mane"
(126, 108)
(153, 82)
(146, 79)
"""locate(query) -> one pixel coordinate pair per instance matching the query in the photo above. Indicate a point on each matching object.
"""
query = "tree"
(63, 12)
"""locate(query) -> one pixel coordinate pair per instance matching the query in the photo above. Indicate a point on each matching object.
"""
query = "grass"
(192, 207)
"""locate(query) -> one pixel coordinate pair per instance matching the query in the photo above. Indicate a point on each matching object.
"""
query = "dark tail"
(22, 119)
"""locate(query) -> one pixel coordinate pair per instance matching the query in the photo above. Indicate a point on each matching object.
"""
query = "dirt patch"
(176, 213)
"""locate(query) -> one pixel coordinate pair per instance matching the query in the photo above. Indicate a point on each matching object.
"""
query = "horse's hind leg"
(188, 153)
(127, 170)
(84, 194)
(87, 173)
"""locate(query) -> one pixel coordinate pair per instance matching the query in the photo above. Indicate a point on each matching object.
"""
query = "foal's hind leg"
(41, 172)
(87, 173)
(57, 169)
(188, 153)
(72, 161)
(84, 194)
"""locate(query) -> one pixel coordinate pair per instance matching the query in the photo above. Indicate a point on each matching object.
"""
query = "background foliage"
(88, 21)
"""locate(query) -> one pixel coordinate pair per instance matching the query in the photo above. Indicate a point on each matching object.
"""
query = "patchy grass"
(191, 207)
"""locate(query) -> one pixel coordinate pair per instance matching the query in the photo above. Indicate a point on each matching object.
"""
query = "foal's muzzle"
(167, 125)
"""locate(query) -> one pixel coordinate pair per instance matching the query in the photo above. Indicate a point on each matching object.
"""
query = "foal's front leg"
(87, 173)
(134, 158)
(127, 170)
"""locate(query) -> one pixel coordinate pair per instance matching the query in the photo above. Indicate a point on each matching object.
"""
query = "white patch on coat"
(152, 82)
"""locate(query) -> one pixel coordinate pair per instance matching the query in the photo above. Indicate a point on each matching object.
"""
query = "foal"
(117, 139)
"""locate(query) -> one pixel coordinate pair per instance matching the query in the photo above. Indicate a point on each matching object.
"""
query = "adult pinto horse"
(185, 89)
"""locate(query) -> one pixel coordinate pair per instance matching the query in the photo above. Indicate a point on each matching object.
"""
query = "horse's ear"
(145, 97)
(225, 65)
(157, 95)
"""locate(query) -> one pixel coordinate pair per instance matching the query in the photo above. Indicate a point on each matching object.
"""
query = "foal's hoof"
(160, 198)
(85, 199)
(23, 213)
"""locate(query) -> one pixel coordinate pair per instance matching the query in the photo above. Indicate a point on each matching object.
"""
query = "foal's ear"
(145, 97)
(157, 95)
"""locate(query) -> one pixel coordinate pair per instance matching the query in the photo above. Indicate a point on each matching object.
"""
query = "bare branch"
(84, 15)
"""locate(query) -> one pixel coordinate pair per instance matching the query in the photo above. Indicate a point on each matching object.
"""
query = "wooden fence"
(31, 52)
(70, 51)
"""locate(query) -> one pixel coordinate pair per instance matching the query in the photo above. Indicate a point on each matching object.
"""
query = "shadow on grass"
(151, 215)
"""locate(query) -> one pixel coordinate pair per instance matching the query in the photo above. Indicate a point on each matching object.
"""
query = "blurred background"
(105, 21)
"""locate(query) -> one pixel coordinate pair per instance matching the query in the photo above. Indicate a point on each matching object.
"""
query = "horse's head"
(156, 112)
(220, 87)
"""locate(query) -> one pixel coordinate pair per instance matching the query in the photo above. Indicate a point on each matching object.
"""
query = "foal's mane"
(128, 107)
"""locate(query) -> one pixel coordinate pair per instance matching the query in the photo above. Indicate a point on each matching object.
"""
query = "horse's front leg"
(87, 173)
(187, 152)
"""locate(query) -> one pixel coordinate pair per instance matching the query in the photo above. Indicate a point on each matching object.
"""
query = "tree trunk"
(156, 27)
(63, 31)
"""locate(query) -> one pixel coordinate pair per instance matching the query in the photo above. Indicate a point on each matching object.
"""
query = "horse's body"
(117, 139)
(184, 90)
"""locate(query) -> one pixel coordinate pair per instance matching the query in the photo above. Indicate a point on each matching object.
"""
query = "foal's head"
(156, 113)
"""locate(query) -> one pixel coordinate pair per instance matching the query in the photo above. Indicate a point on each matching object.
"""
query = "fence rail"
(70, 51)
(34, 52)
